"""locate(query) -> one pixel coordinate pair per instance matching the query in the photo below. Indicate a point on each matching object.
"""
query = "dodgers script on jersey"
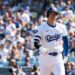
(51, 37)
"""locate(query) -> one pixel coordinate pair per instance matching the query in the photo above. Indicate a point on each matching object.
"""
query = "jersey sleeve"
(64, 31)
(37, 34)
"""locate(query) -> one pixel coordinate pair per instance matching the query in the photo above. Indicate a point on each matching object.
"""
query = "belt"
(53, 54)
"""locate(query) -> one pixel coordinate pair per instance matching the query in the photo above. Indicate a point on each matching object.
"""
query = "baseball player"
(48, 39)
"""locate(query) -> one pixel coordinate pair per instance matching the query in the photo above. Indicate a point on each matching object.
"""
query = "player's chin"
(54, 17)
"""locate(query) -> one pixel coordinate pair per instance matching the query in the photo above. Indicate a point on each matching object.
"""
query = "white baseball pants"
(49, 63)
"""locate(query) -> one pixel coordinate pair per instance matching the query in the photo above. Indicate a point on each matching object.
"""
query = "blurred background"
(18, 22)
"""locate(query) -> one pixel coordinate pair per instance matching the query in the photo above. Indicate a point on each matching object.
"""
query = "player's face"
(52, 15)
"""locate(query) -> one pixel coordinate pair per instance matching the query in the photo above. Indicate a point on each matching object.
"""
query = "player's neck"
(51, 22)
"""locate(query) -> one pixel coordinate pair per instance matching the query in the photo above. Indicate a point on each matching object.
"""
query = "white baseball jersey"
(51, 37)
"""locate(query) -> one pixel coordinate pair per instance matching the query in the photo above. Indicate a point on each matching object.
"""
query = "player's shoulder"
(60, 25)
(39, 27)
(42, 25)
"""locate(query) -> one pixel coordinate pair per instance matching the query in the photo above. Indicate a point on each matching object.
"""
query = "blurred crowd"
(18, 22)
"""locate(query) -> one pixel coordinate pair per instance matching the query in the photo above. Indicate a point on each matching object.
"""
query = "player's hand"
(37, 44)
(65, 59)
(43, 50)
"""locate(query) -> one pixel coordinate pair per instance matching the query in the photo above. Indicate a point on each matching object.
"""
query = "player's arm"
(65, 41)
(37, 38)
(65, 45)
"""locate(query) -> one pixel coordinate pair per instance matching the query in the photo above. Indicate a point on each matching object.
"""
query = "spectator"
(2, 29)
(25, 18)
(27, 59)
(72, 44)
(8, 43)
(35, 70)
(3, 52)
(67, 12)
(17, 38)
(16, 68)
(24, 32)
(69, 68)
(6, 16)
(18, 17)
(20, 47)
(15, 53)
(11, 72)
(11, 28)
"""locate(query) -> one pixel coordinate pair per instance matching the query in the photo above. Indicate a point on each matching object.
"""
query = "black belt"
(53, 54)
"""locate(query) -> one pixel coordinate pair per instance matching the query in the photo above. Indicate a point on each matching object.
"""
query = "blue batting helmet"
(52, 9)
